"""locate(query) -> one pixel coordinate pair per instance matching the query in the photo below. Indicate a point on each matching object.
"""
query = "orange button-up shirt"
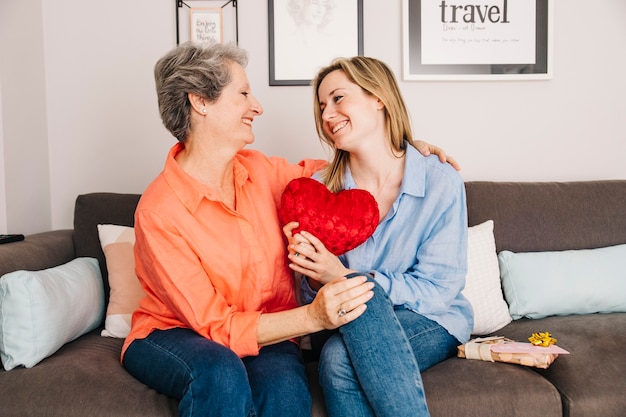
(207, 267)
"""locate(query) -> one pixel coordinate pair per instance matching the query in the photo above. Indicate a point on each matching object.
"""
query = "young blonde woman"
(416, 258)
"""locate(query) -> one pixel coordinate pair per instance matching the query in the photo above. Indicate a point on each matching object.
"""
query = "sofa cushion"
(591, 378)
(118, 245)
(482, 285)
(83, 378)
(471, 388)
(40, 311)
(540, 284)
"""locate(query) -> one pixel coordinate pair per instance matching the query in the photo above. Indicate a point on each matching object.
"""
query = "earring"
(203, 110)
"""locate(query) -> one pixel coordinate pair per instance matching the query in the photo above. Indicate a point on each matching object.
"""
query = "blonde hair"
(377, 79)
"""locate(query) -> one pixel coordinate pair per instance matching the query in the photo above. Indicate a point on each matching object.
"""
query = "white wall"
(24, 139)
(100, 129)
(103, 124)
(3, 196)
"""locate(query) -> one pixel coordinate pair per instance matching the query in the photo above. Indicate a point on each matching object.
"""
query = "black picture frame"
(414, 69)
(297, 50)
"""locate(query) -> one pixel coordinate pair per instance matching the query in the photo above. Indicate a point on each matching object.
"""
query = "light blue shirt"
(418, 252)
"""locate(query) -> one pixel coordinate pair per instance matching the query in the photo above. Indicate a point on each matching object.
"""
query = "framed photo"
(306, 35)
(478, 40)
(205, 25)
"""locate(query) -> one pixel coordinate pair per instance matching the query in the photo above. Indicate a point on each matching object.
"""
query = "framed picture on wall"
(305, 35)
(477, 40)
(201, 21)
(205, 25)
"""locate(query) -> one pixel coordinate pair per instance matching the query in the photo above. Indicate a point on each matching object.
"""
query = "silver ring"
(341, 313)
(297, 253)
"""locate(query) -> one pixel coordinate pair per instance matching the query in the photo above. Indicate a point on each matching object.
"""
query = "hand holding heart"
(310, 257)
(320, 224)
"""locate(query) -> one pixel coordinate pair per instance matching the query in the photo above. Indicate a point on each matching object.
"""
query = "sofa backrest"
(548, 216)
(100, 208)
(528, 216)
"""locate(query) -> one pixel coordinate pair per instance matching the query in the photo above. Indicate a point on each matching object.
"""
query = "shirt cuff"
(308, 293)
(382, 280)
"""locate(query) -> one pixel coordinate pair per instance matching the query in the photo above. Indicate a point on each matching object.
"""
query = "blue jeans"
(371, 366)
(211, 380)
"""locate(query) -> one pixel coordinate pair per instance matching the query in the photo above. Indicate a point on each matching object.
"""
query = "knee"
(380, 295)
(223, 372)
(379, 305)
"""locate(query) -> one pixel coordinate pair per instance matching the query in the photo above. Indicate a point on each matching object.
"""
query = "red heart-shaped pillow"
(342, 220)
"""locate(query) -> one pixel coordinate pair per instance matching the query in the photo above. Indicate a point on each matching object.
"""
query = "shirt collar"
(414, 169)
(190, 191)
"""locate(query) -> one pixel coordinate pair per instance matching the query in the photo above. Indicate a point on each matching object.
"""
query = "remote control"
(11, 238)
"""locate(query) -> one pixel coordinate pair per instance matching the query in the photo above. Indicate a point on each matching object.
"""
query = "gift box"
(501, 349)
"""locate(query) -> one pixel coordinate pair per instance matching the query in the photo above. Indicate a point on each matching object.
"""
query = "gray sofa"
(85, 378)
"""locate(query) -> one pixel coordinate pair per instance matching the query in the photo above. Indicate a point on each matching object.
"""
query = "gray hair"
(191, 68)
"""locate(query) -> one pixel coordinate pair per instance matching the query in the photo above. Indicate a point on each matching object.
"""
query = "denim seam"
(430, 330)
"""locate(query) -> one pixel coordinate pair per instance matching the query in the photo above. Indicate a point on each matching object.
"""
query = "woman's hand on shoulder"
(426, 149)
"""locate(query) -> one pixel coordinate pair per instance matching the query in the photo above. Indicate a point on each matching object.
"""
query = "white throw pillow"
(118, 244)
(40, 311)
(482, 284)
(540, 284)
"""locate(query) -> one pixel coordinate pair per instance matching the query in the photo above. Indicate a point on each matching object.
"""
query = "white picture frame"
(466, 40)
(205, 25)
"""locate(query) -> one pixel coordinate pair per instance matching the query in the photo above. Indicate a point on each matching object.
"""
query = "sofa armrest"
(37, 251)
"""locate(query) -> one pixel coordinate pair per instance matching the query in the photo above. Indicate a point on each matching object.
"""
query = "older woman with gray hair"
(219, 324)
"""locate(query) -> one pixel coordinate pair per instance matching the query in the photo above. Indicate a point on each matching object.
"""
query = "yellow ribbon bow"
(544, 339)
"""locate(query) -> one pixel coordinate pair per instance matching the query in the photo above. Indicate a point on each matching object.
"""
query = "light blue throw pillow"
(541, 284)
(40, 311)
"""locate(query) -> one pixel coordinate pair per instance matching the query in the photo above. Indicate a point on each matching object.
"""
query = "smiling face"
(230, 117)
(351, 117)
